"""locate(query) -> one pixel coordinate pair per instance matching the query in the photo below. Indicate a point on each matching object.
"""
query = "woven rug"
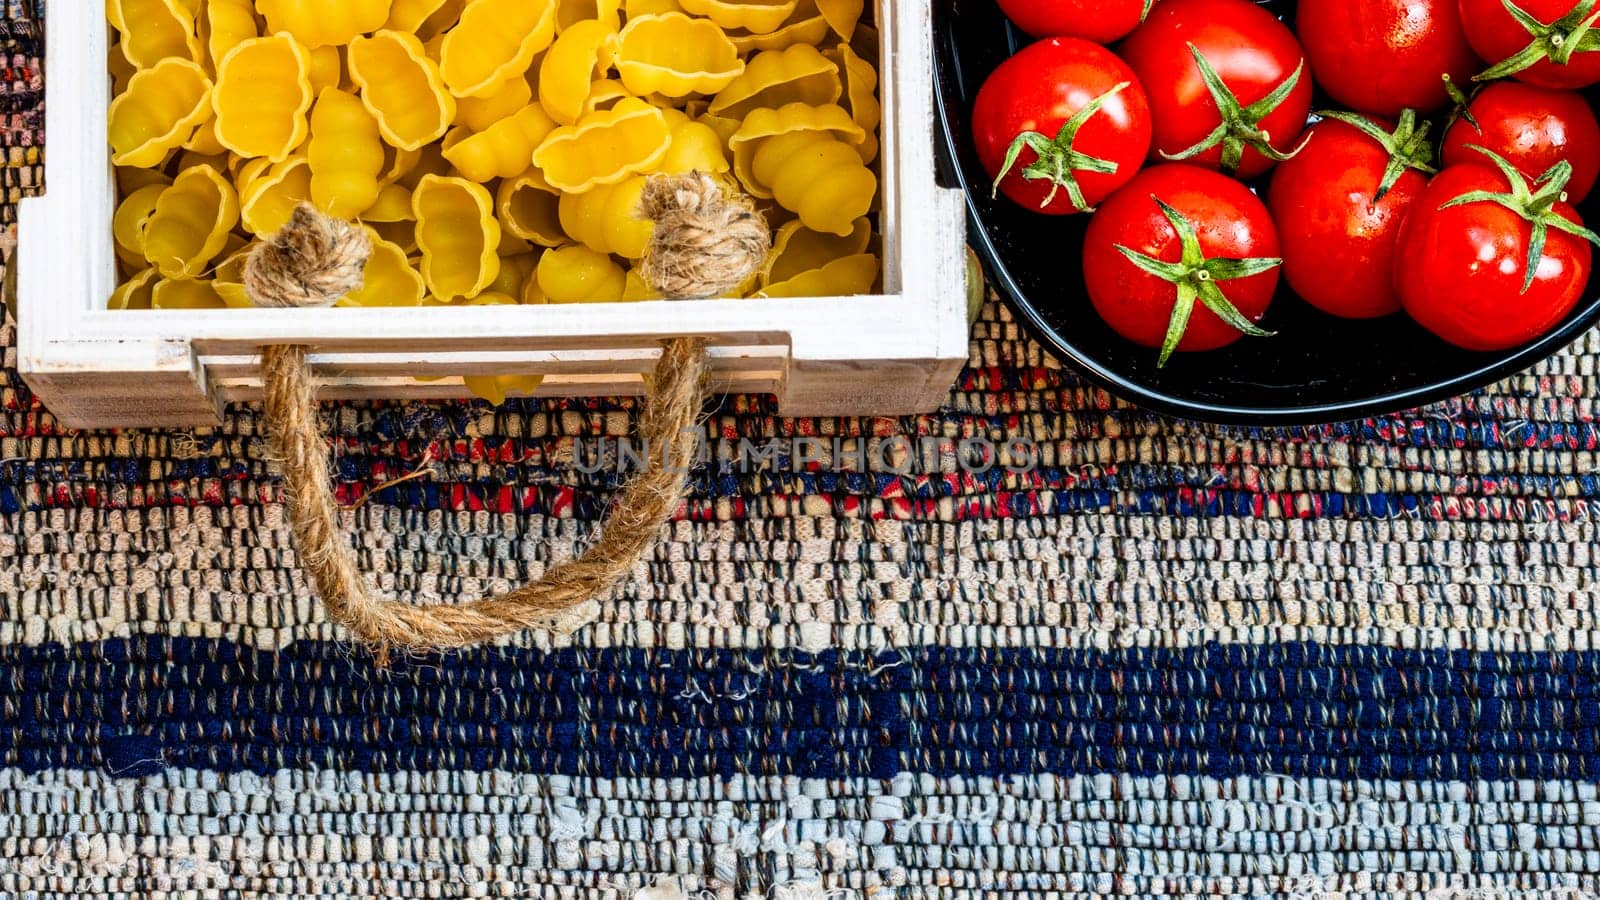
(1353, 661)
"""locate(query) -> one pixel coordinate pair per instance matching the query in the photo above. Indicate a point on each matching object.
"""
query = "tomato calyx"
(1241, 125)
(1407, 145)
(1534, 203)
(1461, 105)
(1556, 42)
(1057, 159)
(1195, 278)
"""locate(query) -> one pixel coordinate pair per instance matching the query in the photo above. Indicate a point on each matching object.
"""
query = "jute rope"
(704, 245)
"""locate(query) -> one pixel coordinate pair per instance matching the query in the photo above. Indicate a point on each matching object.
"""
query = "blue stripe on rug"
(136, 706)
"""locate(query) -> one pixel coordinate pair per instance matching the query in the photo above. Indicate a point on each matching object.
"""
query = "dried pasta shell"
(186, 293)
(132, 178)
(763, 124)
(605, 219)
(695, 147)
(160, 111)
(632, 9)
(393, 205)
(327, 69)
(388, 279)
(228, 280)
(263, 94)
(529, 209)
(806, 27)
(443, 19)
(191, 222)
(576, 274)
(136, 292)
(319, 23)
(268, 199)
(402, 88)
(674, 55)
(637, 289)
(861, 92)
(229, 23)
(818, 176)
(570, 68)
(604, 95)
(755, 16)
(479, 113)
(345, 154)
(129, 220)
(409, 15)
(845, 277)
(496, 40)
(505, 149)
(797, 249)
(400, 234)
(431, 161)
(159, 30)
(458, 236)
(841, 15)
(571, 12)
(515, 270)
(604, 147)
(799, 74)
(204, 140)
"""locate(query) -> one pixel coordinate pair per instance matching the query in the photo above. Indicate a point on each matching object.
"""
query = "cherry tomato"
(1159, 286)
(1533, 127)
(1537, 49)
(1463, 271)
(1417, 42)
(1339, 205)
(1262, 93)
(1101, 21)
(1074, 115)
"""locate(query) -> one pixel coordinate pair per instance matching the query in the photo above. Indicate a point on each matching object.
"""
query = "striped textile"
(1174, 661)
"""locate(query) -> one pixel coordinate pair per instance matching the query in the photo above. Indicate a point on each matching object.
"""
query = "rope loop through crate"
(705, 245)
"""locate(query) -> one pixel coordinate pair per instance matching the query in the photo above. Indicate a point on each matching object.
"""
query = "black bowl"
(1317, 369)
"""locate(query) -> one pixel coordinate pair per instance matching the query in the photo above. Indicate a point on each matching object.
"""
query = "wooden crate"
(888, 354)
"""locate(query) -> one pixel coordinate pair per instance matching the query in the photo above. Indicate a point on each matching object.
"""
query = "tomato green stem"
(1556, 42)
(1195, 278)
(1462, 105)
(1057, 159)
(1241, 125)
(1407, 145)
(1535, 204)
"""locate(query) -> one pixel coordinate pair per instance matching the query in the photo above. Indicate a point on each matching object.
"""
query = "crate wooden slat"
(888, 354)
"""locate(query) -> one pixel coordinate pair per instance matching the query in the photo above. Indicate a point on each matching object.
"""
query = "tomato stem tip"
(1057, 159)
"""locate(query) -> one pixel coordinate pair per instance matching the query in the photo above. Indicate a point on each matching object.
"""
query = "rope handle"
(704, 245)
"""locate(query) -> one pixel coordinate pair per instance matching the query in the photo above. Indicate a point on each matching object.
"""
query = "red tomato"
(1101, 21)
(1157, 288)
(1533, 127)
(1255, 56)
(1418, 42)
(1338, 234)
(1463, 271)
(1537, 51)
(1041, 104)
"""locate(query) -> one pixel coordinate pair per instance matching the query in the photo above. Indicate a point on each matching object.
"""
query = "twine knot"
(311, 262)
(705, 244)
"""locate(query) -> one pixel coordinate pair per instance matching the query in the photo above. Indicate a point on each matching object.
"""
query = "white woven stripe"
(1090, 580)
(444, 834)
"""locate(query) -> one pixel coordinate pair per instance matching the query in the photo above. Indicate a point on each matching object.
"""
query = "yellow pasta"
(842, 277)
(228, 280)
(604, 147)
(136, 292)
(636, 288)
(604, 219)
(529, 208)
(185, 293)
(818, 176)
(571, 12)
(515, 270)
(345, 154)
(861, 92)
(799, 74)
(604, 95)
(409, 15)
(764, 124)
(229, 23)
(393, 205)
(495, 40)
(797, 249)
(442, 20)
(388, 279)
(327, 69)
(505, 150)
(755, 16)
(320, 23)
(402, 88)
(577, 274)
(674, 55)
(570, 67)
(129, 220)
(806, 26)
(267, 200)
(479, 113)
(160, 111)
(154, 30)
(841, 15)
(695, 147)
(633, 9)
(190, 223)
(458, 235)
(262, 96)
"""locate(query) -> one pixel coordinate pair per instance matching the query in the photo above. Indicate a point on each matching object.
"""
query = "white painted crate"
(890, 354)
